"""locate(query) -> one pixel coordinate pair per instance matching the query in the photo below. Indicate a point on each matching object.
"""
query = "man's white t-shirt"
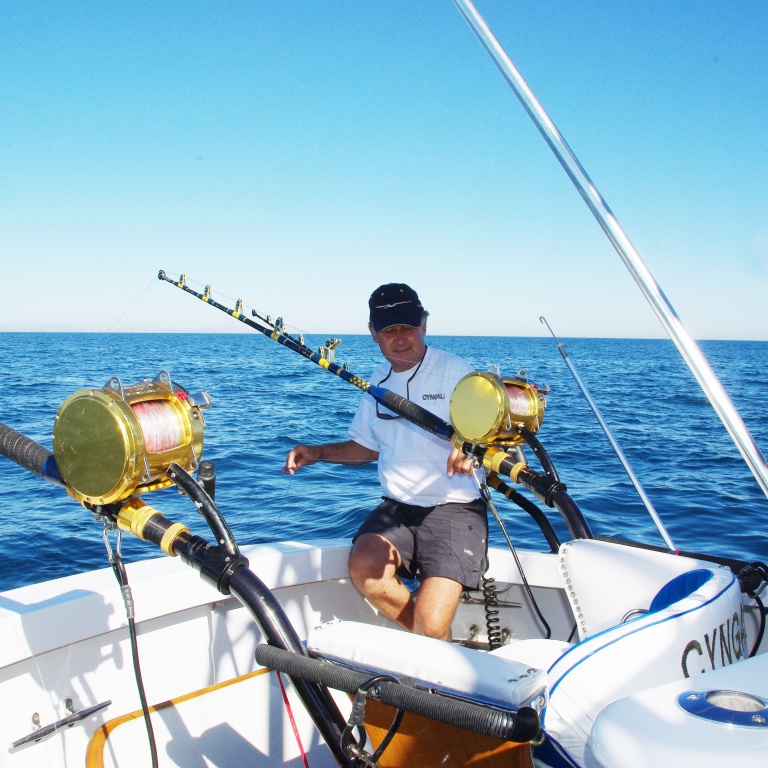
(412, 462)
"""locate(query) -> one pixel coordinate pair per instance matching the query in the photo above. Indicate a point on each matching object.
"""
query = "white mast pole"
(665, 312)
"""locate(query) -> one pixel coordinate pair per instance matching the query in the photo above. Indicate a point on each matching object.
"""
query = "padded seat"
(452, 667)
(697, 610)
(605, 581)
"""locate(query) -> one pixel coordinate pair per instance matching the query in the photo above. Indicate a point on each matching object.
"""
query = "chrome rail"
(685, 344)
(66, 722)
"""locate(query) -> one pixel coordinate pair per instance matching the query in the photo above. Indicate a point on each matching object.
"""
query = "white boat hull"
(64, 646)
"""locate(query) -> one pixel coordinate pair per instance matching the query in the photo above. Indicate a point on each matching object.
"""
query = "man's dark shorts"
(448, 540)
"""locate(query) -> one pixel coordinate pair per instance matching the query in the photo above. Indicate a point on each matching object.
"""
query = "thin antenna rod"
(617, 449)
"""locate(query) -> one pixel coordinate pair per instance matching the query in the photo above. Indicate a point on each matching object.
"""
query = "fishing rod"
(396, 403)
(617, 449)
(511, 412)
(653, 293)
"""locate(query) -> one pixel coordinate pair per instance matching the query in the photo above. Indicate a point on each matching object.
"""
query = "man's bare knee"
(372, 558)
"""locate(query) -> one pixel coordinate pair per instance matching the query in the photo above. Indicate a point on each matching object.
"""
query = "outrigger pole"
(687, 347)
(547, 489)
(612, 440)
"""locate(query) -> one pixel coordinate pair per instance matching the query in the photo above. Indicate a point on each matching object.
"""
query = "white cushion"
(453, 667)
(605, 581)
(650, 650)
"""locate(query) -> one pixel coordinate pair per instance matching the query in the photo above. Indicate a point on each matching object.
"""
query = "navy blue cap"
(395, 304)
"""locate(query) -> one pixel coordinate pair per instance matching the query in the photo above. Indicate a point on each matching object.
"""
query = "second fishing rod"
(399, 405)
(490, 415)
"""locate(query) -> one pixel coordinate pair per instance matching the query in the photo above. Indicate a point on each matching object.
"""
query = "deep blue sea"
(268, 398)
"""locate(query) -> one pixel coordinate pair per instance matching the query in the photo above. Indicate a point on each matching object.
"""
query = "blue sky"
(298, 154)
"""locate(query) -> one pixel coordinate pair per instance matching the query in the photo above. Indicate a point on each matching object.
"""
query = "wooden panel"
(428, 744)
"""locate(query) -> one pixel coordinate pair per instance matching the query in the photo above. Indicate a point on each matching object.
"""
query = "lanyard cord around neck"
(410, 378)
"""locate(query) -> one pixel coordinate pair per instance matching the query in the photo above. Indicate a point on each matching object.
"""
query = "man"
(432, 521)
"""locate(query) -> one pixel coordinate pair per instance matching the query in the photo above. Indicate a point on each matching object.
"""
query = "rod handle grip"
(28, 454)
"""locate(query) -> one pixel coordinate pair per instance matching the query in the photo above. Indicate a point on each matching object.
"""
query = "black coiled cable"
(491, 603)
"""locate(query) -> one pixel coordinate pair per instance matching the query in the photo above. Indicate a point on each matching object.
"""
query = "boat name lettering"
(727, 638)
(438, 396)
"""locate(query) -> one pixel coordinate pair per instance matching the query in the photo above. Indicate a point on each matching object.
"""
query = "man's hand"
(348, 452)
(301, 456)
(459, 462)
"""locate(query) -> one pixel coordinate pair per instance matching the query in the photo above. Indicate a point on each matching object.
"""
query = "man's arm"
(348, 452)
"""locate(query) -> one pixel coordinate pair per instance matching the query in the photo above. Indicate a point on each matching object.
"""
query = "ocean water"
(268, 398)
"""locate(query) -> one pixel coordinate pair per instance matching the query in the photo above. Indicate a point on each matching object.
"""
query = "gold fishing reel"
(117, 441)
(487, 409)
